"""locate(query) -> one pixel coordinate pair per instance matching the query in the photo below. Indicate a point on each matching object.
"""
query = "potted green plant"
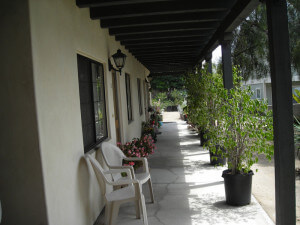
(213, 96)
(194, 100)
(245, 131)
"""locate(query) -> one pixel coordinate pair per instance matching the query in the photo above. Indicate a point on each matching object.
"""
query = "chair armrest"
(124, 182)
(122, 170)
(124, 167)
(143, 159)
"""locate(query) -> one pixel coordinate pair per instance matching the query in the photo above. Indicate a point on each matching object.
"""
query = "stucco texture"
(60, 31)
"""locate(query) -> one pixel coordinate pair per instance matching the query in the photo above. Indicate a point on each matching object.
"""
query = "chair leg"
(107, 216)
(151, 190)
(137, 209)
(144, 210)
(114, 213)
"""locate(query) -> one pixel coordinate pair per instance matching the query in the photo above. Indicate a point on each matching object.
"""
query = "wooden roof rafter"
(166, 34)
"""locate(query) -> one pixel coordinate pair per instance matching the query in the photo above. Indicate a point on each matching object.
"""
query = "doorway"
(116, 105)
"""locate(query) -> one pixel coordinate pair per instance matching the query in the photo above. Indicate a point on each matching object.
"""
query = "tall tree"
(167, 83)
(250, 43)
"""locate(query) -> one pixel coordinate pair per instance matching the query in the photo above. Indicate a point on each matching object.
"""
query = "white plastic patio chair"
(132, 192)
(113, 157)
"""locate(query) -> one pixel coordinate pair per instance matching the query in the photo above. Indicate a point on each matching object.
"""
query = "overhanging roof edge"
(214, 42)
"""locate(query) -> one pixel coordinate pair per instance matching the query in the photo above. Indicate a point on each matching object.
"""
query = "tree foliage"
(239, 124)
(178, 96)
(168, 91)
(172, 98)
(250, 43)
(245, 128)
(296, 96)
(204, 98)
(167, 83)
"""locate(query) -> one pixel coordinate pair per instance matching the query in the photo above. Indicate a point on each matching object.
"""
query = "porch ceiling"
(169, 36)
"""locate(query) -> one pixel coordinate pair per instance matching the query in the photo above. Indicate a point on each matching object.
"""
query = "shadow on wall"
(90, 194)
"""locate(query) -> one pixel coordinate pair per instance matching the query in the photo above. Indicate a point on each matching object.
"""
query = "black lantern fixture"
(150, 77)
(119, 59)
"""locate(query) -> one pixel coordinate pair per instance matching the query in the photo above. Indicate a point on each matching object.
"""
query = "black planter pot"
(217, 159)
(202, 139)
(237, 188)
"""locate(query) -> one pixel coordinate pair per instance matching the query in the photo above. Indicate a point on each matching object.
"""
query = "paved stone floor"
(188, 191)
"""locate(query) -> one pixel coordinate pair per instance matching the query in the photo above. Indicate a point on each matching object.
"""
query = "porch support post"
(209, 62)
(282, 111)
(226, 61)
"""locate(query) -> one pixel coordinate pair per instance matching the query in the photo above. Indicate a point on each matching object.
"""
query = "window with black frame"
(140, 96)
(92, 102)
(128, 96)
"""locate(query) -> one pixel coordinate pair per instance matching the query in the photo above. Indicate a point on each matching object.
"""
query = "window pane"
(87, 113)
(95, 75)
(100, 72)
(83, 69)
(85, 93)
(92, 102)
(100, 122)
(88, 135)
(100, 90)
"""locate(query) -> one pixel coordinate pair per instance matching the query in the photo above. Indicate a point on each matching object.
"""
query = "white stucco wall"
(22, 192)
(60, 30)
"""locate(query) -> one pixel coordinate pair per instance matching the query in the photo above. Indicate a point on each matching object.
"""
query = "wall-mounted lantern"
(150, 77)
(119, 59)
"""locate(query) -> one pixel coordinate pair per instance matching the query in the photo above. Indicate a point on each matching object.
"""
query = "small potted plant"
(148, 128)
(245, 131)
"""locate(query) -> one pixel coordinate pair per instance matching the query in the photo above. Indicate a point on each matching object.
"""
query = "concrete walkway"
(188, 191)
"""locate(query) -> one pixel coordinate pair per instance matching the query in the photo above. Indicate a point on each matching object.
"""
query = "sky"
(216, 54)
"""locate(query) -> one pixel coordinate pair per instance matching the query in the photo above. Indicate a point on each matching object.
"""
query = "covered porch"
(45, 179)
(188, 190)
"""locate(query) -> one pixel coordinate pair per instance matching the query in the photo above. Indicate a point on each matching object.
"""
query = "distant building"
(262, 88)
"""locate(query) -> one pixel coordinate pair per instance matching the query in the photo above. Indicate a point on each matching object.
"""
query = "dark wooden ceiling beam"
(178, 40)
(163, 19)
(169, 57)
(160, 28)
(168, 35)
(165, 49)
(165, 73)
(168, 61)
(231, 18)
(101, 3)
(174, 57)
(151, 9)
(170, 64)
(148, 65)
(163, 35)
(168, 69)
(159, 53)
(165, 44)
